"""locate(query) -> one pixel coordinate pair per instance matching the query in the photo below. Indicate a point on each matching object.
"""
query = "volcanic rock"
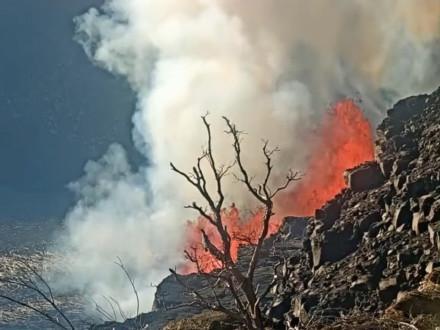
(413, 303)
(388, 289)
(434, 213)
(419, 223)
(364, 177)
(386, 166)
(422, 304)
(402, 215)
(434, 234)
(386, 229)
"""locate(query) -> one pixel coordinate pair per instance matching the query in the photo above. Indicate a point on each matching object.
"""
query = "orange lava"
(344, 140)
(243, 230)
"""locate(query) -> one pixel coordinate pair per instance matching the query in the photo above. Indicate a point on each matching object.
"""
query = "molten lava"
(344, 140)
(243, 230)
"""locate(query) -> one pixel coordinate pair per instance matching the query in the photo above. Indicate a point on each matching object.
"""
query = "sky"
(57, 110)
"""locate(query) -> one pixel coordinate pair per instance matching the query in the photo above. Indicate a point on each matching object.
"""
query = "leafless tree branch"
(31, 279)
(37, 310)
(130, 279)
(240, 285)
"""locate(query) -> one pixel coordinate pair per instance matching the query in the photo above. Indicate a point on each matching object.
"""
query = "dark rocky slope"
(379, 236)
(376, 239)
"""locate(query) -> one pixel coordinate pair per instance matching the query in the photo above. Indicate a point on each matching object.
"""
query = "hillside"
(364, 253)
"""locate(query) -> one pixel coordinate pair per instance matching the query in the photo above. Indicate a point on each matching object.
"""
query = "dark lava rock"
(279, 307)
(402, 215)
(388, 289)
(364, 177)
(384, 233)
(434, 234)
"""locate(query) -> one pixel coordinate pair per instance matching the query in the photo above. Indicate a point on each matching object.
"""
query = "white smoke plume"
(273, 67)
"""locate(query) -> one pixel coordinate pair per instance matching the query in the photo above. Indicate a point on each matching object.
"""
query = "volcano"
(367, 247)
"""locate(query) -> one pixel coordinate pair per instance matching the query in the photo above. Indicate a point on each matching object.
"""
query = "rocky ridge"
(380, 236)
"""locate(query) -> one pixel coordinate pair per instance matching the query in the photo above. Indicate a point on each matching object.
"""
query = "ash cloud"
(273, 67)
(114, 219)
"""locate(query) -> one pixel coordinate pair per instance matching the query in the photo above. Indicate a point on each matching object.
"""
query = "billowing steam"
(273, 67)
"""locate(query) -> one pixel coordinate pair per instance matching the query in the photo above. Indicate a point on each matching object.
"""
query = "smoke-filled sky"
(273, 67)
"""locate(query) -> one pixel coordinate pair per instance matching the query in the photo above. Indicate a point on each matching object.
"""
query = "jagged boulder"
(434, 212)
(434, 234)
(333, 245)
(386, 166)
(328, 214)
(364, 177)
(402, 216)
(388, 289)
(367, 221)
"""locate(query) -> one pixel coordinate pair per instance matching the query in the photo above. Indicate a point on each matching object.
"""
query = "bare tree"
(240, 284)
(30, 279)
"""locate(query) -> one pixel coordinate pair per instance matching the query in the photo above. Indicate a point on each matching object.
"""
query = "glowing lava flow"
(242, 231)
(344, 140)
